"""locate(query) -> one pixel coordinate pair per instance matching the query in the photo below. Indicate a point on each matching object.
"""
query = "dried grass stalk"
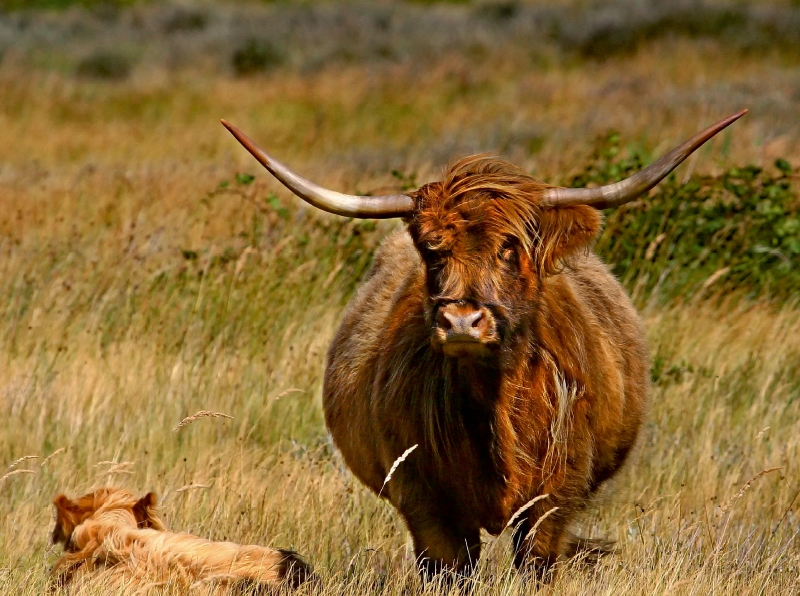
(744, 489)
(287, 392)
(192, 487)
(107, 462)
(16, 473)
(49, 457)
(120, 468)
(116, 467)
(201, 414)
(22, 459)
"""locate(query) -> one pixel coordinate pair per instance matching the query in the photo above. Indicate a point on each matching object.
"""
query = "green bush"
(105, 66)
(715, 235)
(256, 55)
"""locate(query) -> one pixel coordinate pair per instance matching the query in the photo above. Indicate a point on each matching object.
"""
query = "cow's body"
(491, 337)
(560, 420)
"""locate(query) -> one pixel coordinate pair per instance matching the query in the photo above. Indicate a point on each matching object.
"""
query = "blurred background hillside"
(428, 80)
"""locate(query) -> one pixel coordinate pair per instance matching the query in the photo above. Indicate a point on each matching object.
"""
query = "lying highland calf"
(491, 336)
(112, 539)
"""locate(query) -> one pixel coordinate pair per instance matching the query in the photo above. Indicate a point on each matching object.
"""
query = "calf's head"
(69, 514)
(487, 234)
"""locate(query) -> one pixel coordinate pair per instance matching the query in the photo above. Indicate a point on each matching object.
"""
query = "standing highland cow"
(491, 336)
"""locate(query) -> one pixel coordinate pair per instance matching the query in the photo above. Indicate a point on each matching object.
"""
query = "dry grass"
(201, 414)
(132, 298)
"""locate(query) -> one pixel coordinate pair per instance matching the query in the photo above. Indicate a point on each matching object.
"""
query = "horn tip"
(240, 136)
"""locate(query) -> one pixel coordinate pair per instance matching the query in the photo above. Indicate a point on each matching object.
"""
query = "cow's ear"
(145, 512)
(64, 519)
(64, 508)
(563, 232)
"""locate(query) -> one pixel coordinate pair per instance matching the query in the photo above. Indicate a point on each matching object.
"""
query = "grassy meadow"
(149, 270)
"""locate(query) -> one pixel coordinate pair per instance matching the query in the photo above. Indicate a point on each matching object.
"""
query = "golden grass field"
(134, 292)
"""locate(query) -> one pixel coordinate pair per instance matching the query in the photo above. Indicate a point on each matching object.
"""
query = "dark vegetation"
(104, 65)
(622, 27)
(256, 55)
(244, 38)
(102, 5)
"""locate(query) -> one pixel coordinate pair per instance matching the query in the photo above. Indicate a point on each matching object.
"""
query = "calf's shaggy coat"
(112, 539)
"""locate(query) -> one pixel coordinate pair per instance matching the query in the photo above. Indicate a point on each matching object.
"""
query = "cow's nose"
(462, 322)
(458, 323)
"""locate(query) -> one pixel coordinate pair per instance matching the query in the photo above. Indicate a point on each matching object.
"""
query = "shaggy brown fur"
(111, 538)
(551, 400)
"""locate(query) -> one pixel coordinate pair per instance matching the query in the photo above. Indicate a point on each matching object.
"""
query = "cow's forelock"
(475, 232)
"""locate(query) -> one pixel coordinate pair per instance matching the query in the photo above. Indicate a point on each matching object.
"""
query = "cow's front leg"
(443, 544)
(539, 541)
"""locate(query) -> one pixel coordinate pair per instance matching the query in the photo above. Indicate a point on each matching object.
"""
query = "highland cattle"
(490, 335)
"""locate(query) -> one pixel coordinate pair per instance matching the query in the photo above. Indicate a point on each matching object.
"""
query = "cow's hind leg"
(443, 545)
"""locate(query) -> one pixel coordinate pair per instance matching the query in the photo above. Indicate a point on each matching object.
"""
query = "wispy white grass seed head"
(524, 508)
(396, 463)
(539, 522)
(109, 462)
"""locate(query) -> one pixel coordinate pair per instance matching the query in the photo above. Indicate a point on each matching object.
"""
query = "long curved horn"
(379, 207)
(619, 193)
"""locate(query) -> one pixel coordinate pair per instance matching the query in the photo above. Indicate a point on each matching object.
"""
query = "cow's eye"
(507, 254)
(433, 256)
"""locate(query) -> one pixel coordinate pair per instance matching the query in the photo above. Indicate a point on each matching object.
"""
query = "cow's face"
(486, 245)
